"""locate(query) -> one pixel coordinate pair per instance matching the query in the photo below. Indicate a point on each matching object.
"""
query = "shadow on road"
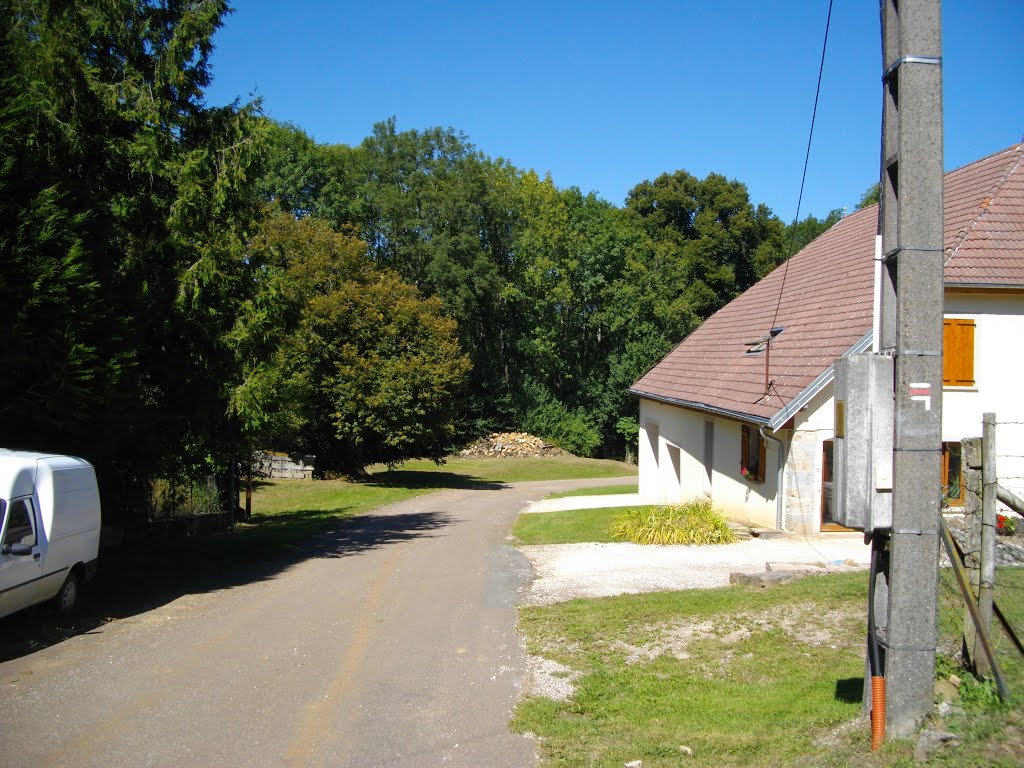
(145, 575)
(371, 531)
(414, 478)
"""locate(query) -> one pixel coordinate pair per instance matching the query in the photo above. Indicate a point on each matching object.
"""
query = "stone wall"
(283, 466)
(803, 481)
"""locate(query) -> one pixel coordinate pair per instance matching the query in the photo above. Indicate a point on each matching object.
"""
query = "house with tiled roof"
(742, 410)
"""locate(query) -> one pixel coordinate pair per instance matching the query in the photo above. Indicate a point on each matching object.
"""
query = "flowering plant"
(744, 471)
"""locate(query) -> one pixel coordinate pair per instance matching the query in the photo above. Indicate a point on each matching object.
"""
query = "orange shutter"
(957, 352)
(744, 447)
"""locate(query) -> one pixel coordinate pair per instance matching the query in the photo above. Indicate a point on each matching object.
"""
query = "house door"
(828, 522)
(827, 498)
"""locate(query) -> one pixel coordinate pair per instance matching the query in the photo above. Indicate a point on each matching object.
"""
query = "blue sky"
(606, 94)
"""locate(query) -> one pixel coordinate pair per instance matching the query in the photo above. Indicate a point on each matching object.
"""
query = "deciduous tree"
(342, 358)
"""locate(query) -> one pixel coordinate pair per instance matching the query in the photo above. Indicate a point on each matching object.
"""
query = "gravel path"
(565, 571)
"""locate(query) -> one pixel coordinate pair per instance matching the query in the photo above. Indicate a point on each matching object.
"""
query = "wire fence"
(953, 615)
(176, 497)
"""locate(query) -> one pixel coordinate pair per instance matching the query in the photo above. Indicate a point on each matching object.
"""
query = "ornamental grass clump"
(692, 522)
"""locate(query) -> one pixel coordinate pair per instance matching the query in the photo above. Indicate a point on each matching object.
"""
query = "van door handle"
(37, 555)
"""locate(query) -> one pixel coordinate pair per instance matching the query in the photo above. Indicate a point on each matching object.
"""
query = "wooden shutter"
(744, 447)
(957, 352)
(751, 451)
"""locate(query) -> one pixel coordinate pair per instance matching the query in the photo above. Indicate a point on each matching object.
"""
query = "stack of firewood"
(510, 445)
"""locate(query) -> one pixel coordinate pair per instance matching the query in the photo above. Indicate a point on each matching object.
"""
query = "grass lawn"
(742, 677)
(569, 527)
(464, 472)
(601, 490)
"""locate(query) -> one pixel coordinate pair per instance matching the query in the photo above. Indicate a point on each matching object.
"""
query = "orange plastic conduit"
(877, 712)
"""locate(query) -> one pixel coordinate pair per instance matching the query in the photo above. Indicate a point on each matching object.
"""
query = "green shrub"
(572, 430)
(693, 522)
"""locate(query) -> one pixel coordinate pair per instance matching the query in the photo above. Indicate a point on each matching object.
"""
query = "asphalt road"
(392, 643)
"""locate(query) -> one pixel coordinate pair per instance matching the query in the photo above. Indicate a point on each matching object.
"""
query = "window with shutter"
(952, 475)
(957, 352)
(751, 453)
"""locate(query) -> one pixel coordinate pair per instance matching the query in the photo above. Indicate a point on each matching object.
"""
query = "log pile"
(510, 445)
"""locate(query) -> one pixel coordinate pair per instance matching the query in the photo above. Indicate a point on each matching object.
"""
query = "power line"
(807, 159)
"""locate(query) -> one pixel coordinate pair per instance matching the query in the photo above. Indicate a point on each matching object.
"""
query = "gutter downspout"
(780, 474)
(876, 311)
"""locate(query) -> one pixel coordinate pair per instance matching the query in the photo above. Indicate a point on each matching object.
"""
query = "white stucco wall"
(998, 364)
(675, 470)
(671, 453)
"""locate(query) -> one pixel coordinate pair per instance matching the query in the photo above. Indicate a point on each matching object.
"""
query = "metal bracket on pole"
(933, 60)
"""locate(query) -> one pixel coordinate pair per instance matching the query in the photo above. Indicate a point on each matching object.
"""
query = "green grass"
(569, 527)
(574, 526)
(1009, 596)
(601, 490)
(742, 676)
(275, 497)
(750, 700)
(459, 470)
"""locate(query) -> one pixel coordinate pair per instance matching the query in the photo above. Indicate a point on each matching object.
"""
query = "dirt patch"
(674, 640)
(550, 680)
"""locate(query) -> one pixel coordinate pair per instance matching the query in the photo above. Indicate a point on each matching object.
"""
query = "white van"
(49, 529)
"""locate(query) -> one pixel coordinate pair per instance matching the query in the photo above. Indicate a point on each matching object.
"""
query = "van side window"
(20, 523)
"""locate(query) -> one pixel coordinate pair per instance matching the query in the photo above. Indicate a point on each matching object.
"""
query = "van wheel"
(67, 598)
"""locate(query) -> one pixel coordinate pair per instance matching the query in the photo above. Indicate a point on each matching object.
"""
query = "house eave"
(702, 407)
(820, 382)
(984, 287)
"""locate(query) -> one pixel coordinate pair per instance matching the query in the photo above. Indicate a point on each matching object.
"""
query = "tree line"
(185, 282)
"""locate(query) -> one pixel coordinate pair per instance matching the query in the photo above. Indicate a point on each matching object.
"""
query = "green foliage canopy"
(342, 358)
(562, 300)
(124, 209)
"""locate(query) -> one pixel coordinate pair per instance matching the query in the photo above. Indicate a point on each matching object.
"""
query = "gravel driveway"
(565, 571)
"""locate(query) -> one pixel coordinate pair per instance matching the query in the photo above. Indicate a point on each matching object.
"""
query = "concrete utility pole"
(910, 221)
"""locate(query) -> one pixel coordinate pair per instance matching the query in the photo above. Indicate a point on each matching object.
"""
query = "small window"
(952, 475)
(751, 454)
(20, 527)
(957, 352)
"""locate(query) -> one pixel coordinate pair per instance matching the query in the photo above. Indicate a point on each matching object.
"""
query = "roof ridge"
(1006, 151)
(986, 203)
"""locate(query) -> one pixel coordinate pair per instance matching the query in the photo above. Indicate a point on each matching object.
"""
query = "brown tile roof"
(985, 221)
(823, 300)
